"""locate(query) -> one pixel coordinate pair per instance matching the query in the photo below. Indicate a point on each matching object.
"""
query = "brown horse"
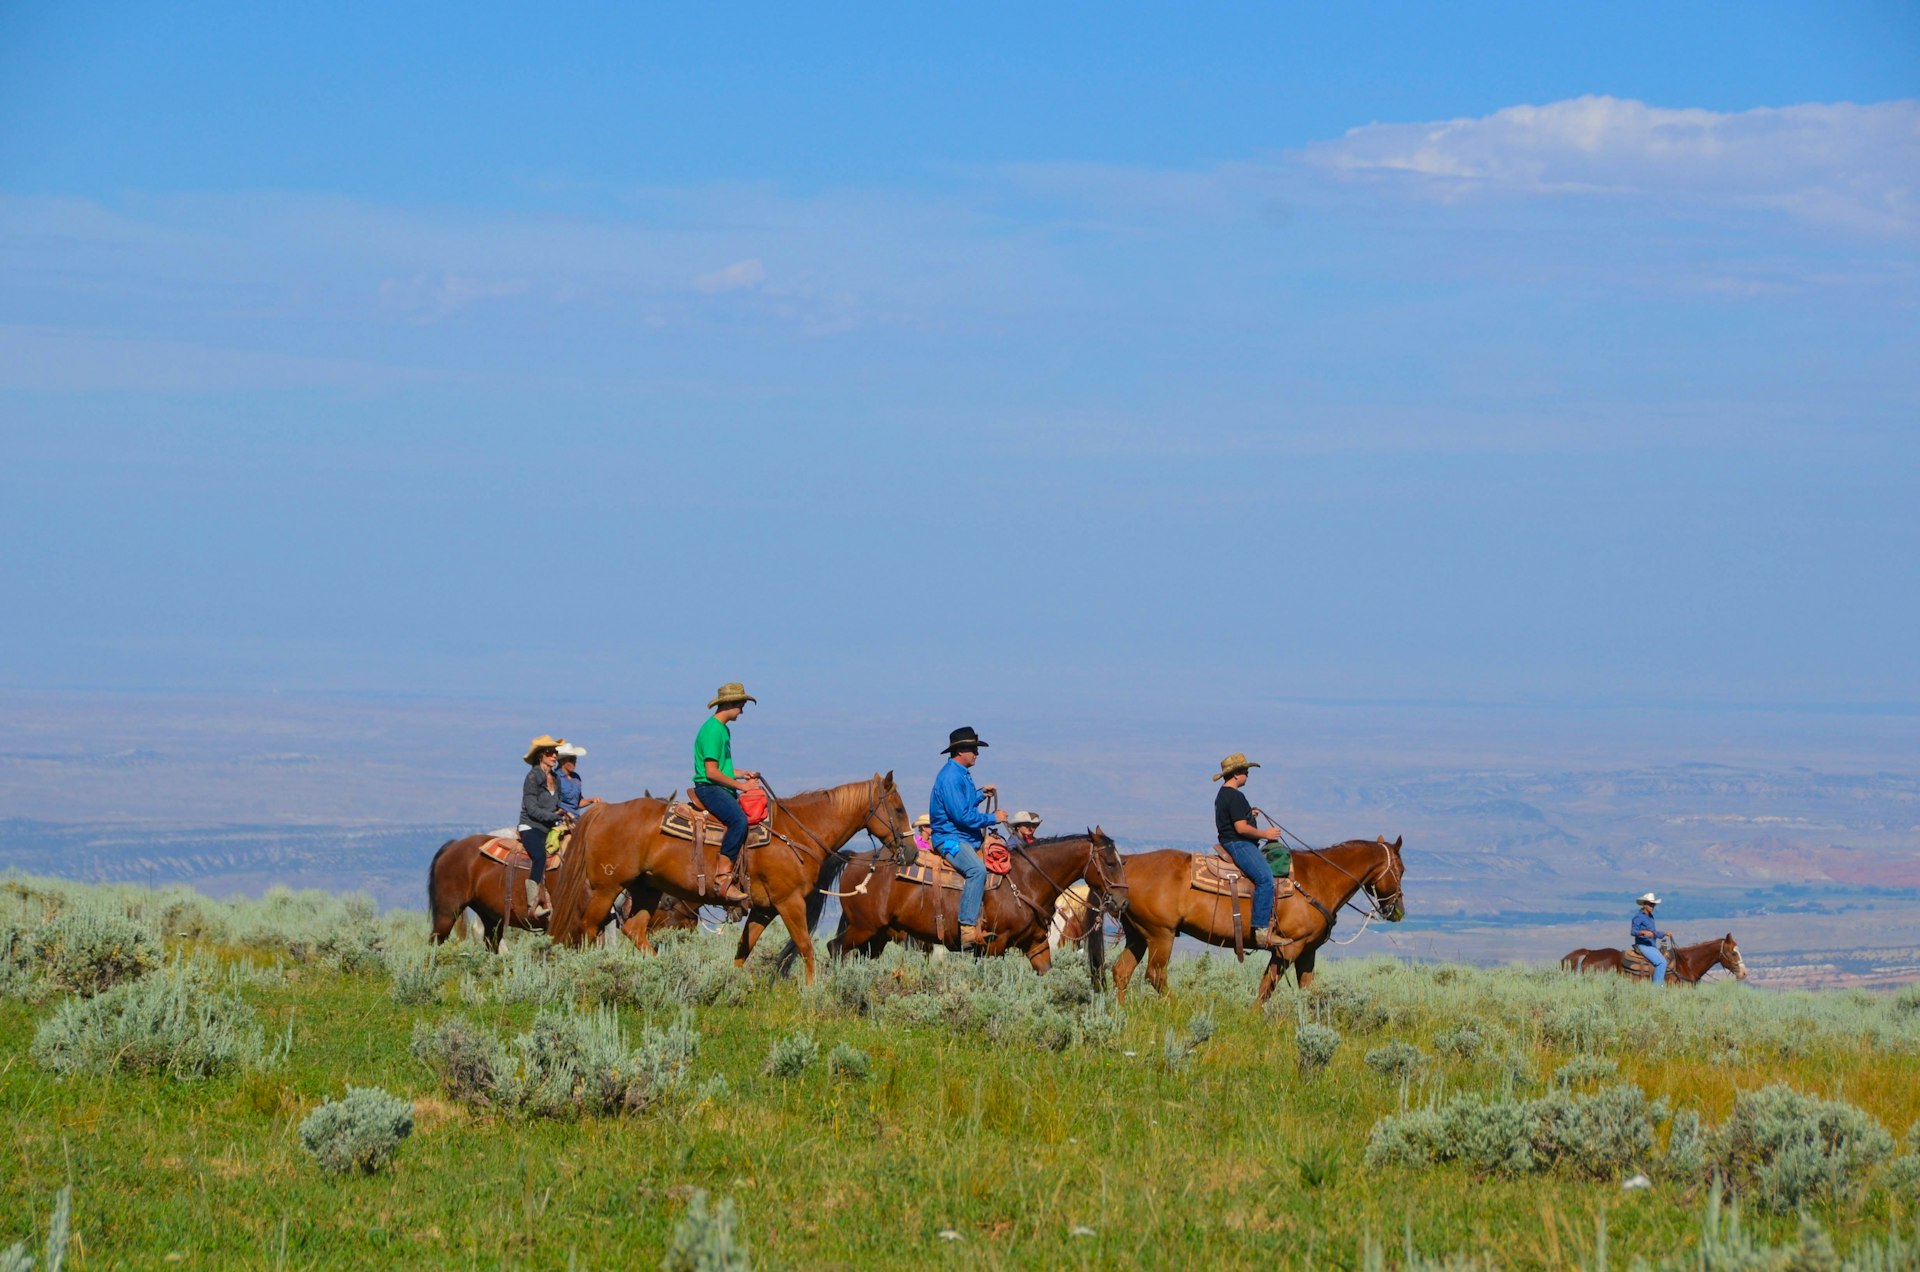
(1685, 965)
(461, 878)
(621, 846)
(877, 906)
(1161, 905)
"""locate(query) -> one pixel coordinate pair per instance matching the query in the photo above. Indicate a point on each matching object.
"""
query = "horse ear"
(1397, 841)
(1382, 841)
(888, 779)
(1729, 936)
(1097, 831)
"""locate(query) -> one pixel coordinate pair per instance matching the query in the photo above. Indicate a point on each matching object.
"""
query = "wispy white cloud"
(1837, 164)
(739, 276)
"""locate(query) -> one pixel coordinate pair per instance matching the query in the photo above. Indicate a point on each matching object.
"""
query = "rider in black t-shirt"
(1233, 821)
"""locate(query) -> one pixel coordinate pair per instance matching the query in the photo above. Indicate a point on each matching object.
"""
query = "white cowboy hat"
(1647, 898)
(568, 751)
(1024, 818)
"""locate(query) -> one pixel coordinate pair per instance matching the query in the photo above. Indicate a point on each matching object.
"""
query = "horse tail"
(435, 897)
(1572, 960)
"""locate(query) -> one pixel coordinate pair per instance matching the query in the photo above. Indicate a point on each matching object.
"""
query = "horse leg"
(1270, 980)
(443, 924)
(1159, 954)
(1303, 968)
(1040, 954)
(793, 912)
(635, 929)
(1128, 960)
(749, 936)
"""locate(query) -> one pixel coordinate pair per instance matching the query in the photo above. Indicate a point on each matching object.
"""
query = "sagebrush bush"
(359, 1133)
(1583, 1070)
(1463, 1042)
(1396, 1059)
(89, 949)
(415, 978)
(1599, 1136)
(1315, 1045)
(849, 1062)
(176, 1022)
(17, 1258)
(1687, 1148)
(707, 1239)
(791, 1056)
(569, 1064)
(1785, 1149)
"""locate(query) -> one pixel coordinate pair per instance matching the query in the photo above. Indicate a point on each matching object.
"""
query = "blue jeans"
(720, 801)
(964, 858)
(1246, 854)
(1655, 957)
(535, 842)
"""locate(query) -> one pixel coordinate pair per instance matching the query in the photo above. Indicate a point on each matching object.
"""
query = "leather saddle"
(930, 867)
(1217, 874)
(505, 848)
(692, 822)
(1634, 963)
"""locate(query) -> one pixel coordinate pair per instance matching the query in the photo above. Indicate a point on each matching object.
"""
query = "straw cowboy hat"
(1233, 764)
(540, 744)
(1647, 898)
(963, 739)
(729, 694)
(922, 822)
(568, 751)
(1024, 818)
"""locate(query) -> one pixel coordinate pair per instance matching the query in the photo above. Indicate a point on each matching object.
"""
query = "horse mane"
(1042, 841)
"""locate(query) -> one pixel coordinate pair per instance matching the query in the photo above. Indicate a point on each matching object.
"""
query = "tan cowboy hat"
(1647, 898)
(540, 744)
(729, 693)
(568, 751)
(1233, 764)
(922, 820)
(1024, 818)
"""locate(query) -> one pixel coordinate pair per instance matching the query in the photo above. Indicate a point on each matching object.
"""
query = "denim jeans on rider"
(1654, 956)
(723, 804)
(534, 840)
(1246, 855)
(962, 856)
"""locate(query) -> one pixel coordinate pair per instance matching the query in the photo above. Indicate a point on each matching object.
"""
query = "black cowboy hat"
(962, 739)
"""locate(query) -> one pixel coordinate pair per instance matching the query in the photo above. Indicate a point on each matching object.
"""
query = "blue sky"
(1060, 357)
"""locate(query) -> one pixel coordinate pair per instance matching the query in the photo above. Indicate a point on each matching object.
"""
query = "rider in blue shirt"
(958, 825)
(1646, 937)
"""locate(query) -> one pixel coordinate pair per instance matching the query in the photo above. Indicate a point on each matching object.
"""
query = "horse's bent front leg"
(749, 936)
(1159, 954)
(1136, 946)
(1040, 954)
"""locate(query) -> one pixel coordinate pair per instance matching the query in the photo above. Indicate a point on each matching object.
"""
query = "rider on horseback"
(539, 813)
(1646, 939)
(1233, 821)
(715, 781)
(958, 823)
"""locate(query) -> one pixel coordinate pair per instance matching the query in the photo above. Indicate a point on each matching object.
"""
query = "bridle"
(875, 801)
(1100, 884)
(1385, 904)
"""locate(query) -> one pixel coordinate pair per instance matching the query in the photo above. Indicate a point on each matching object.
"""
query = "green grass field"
(1074, 1136)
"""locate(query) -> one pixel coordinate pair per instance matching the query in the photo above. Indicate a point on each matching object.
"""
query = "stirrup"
(975, 936)
(1268, 939)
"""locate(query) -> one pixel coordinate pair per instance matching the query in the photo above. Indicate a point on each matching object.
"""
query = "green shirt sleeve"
(713, 742)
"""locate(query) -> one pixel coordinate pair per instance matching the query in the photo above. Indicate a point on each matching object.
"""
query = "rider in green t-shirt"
(717, 783)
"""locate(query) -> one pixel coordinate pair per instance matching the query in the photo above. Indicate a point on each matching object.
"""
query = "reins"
(1359, 885)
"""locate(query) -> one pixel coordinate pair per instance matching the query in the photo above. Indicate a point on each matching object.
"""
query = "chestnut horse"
(622, 846)
(1161, 906)
(461, 877)
(877, 906)
(1685, 965)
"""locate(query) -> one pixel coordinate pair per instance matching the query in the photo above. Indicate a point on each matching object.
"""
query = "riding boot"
(724, 881)
(972, 937)
(534, 890)
(1267, 939)
(543, 903)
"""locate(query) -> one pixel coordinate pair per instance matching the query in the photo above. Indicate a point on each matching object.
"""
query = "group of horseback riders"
(964, 826)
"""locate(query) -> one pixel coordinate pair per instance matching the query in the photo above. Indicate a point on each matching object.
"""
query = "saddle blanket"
(1219, 876)
(505, 848)
(1634, 963)
(931, 868)
(679, 825)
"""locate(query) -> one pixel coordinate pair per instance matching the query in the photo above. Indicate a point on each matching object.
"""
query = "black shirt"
(1230, 806)
(539, 806)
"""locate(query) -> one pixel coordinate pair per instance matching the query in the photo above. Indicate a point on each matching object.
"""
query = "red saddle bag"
(753, 802)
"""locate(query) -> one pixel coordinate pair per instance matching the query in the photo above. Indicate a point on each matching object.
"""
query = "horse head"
(1730, 956)
(1106, 873)
(887, 819)
(1383, 882)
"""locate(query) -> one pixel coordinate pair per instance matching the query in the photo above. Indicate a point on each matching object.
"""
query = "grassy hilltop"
(160, 1052)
